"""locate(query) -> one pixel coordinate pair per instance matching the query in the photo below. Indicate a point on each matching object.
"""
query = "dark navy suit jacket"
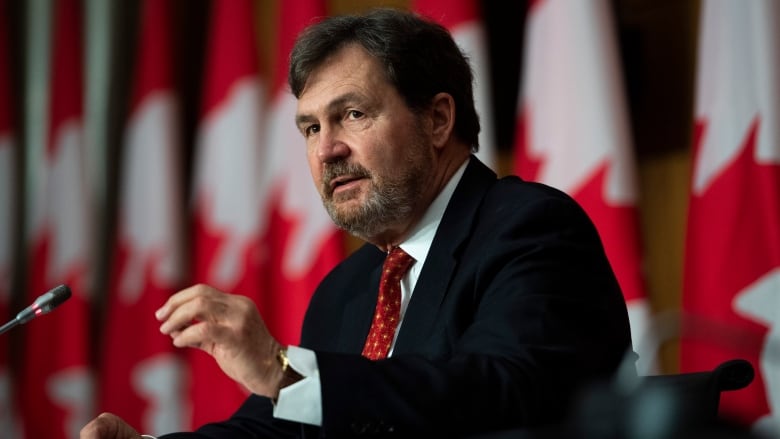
(515, 309)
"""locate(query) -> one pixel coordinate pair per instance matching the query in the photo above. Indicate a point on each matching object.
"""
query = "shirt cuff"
(301, 401)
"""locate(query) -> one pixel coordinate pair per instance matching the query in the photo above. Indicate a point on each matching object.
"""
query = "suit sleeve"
(532, 313)
(253, 419)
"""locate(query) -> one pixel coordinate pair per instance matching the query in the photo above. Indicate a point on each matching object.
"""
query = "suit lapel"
(443, 257)
(359, 312)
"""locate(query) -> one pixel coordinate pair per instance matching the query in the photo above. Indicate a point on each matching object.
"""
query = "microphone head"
(51, 299)
(60, 293)
(44, 304)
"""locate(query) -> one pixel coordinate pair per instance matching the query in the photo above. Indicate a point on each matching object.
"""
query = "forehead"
(351, 70)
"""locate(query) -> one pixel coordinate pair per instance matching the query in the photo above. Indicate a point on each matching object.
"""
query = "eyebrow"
(336, 103)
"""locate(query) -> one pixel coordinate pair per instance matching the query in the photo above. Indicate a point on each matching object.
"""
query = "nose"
(331, 147)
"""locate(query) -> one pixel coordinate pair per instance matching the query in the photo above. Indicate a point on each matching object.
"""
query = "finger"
(179, 298)
(203, 306)
(90, 431)
(185, 314)
(200, 335)
(177, 341)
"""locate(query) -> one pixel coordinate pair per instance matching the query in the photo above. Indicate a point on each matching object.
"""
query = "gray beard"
(390, 201)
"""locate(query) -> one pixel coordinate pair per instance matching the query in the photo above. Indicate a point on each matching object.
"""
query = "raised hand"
(229, 328)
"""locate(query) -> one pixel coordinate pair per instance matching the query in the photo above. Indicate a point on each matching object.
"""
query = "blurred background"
(147, 145)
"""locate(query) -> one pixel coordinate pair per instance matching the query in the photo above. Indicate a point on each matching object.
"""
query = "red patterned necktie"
(388, 305)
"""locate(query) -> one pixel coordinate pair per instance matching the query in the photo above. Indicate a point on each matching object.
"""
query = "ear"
(443, 118)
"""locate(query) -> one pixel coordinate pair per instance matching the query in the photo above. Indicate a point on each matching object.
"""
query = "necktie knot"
(388, 306)
(396, 263)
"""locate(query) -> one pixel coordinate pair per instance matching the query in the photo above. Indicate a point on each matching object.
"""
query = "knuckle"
(200, 302)
(246, 305)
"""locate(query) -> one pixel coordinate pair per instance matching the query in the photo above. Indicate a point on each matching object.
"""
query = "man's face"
(367, 151)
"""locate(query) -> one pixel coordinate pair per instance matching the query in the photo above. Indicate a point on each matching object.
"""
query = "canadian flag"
(227, 209)
(141, 375)
(301, 244)
(8, 422)
(58, 396)
(732, 263)
(573, 133)
(463, 18)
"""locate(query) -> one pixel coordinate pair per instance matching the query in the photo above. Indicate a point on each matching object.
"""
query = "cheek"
(376, 155)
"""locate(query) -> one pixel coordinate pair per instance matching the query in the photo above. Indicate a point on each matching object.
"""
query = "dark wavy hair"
(419, 56)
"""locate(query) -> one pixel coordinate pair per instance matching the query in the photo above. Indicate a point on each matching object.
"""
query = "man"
(507, 305)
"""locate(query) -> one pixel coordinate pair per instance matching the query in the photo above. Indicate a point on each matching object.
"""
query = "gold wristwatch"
(289, 375)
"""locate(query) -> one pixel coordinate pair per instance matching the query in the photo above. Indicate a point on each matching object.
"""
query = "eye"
(354, 114)
(311, 129)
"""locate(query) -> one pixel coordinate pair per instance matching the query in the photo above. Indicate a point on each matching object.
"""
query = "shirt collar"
(421, 237)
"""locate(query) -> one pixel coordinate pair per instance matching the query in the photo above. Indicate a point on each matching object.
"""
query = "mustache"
(334, 170)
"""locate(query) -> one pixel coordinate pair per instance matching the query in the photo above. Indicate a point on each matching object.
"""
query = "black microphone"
(44, 304)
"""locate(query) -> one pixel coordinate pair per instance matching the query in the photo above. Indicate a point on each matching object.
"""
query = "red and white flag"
(463, 18)
(573, 133)
(57, 381)
(8, 422)
(301, 244)
(141, 371)
(227, 209)
(732, 262)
